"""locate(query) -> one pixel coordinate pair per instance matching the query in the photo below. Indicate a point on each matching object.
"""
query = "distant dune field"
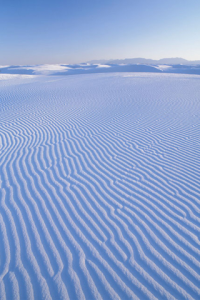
(99, 185)
(91, 68)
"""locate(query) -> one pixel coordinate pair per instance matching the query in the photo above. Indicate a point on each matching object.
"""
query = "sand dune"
(99, 68)
(100, 189)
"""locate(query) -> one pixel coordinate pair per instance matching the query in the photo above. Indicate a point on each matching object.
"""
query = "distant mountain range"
(164, 61)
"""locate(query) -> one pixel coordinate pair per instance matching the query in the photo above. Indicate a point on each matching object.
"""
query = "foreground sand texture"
(100, 186)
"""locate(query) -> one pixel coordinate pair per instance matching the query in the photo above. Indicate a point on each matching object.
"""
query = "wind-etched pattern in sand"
(100, 194)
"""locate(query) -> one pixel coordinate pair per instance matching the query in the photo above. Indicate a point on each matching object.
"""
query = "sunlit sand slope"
(100, 187)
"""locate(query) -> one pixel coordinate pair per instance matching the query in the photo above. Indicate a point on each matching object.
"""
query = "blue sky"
(74, 31)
